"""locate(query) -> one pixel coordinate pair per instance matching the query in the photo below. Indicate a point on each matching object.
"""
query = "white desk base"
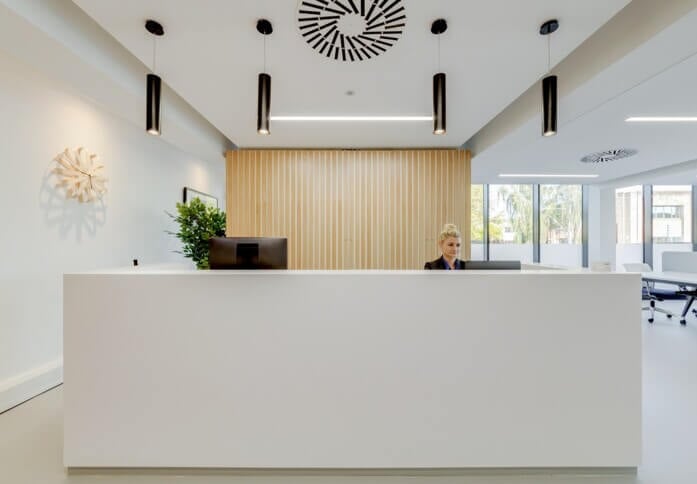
(352, 370)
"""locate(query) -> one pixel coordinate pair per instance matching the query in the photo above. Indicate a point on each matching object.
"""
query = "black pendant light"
(265, 28)
(153, 84)
(438, 27)
(549, 86)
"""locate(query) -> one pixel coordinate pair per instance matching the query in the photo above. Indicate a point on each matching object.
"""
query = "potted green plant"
(198, 222)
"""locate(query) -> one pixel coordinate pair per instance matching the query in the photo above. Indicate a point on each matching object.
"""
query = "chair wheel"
(683, 322)
(669, 316)
(650, 320)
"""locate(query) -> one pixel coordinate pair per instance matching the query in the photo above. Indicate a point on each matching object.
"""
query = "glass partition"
(510, 222)
(560, 225)
(671, 220)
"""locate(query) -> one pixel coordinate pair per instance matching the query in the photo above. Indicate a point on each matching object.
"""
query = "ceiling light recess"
(544, 175)
(662, 119)
(352, 118)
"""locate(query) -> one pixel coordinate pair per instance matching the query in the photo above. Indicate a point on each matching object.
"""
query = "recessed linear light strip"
(351, 118)
(545, 175)
(662, 119)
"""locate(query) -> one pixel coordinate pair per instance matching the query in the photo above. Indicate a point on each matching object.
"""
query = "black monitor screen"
(488, 265)
(248, 253)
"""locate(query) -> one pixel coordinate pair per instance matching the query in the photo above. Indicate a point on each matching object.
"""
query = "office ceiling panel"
(658, 78)
(212, 53)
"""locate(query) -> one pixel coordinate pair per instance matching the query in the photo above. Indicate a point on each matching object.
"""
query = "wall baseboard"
(24, 386)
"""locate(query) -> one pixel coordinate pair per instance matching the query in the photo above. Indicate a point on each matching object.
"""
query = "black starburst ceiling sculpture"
(351, 30)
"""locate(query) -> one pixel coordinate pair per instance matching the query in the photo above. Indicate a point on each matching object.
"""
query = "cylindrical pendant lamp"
(153, 83)
(549, 85)
(264, 103)
(154, 87)
(437, 28)
(549, 106)
(439, 103)
(265, 28)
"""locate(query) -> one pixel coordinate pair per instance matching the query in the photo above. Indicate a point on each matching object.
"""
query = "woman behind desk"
(449, 241)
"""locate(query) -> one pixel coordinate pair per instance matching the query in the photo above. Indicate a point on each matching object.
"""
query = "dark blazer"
(439, 264)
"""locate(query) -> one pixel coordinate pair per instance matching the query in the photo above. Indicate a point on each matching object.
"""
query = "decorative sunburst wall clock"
(80, 175)
(351, 30)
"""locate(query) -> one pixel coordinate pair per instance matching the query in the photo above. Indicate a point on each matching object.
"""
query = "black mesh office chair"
(650, 293)
(691, 295)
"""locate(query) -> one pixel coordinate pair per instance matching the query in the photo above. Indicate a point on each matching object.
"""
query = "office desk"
(681, 279)
(352, 369)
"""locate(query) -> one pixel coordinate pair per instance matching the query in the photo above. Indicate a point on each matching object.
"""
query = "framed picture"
(190, 194)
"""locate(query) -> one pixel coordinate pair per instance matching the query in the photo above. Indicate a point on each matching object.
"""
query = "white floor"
(31, 435)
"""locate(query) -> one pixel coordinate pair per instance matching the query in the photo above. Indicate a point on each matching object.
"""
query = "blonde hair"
(449, 230)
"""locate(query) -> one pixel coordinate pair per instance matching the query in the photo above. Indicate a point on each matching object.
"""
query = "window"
(477, 222)
(628, 213)
(671, 220)
(510, 222)
(629, 210)
(561, 221)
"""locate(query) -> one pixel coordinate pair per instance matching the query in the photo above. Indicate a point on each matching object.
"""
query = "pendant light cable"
(154, 56)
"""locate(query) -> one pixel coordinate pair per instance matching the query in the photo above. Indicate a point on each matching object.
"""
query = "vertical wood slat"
(365, 209)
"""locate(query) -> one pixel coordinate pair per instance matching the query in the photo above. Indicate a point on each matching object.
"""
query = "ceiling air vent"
(608, 155)
(351, 30)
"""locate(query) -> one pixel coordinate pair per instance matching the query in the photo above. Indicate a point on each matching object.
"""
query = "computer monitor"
(248, 253)
(489, 265)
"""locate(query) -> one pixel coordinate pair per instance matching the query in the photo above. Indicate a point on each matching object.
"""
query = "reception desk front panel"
(352, 369)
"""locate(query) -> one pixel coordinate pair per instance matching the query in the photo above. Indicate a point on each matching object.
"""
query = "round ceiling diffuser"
(608, 155)
(351, 30)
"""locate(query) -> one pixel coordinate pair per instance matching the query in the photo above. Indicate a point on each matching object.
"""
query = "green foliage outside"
(477, 227)
(560, 214)
(518, 203)
(495, 223)
(198, 222)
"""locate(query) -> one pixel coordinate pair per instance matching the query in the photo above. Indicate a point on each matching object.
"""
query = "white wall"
(44, 235)
(57, 37)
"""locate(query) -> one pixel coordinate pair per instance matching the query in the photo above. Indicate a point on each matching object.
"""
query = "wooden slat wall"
(345, 209)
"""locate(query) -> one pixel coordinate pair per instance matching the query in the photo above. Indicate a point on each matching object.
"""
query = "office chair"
(650, 292)
(691, 295)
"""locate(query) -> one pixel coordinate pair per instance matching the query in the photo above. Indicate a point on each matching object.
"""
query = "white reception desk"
(355, 369)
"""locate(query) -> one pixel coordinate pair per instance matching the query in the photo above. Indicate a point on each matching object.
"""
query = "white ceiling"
(211, 55)
(659, 78)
